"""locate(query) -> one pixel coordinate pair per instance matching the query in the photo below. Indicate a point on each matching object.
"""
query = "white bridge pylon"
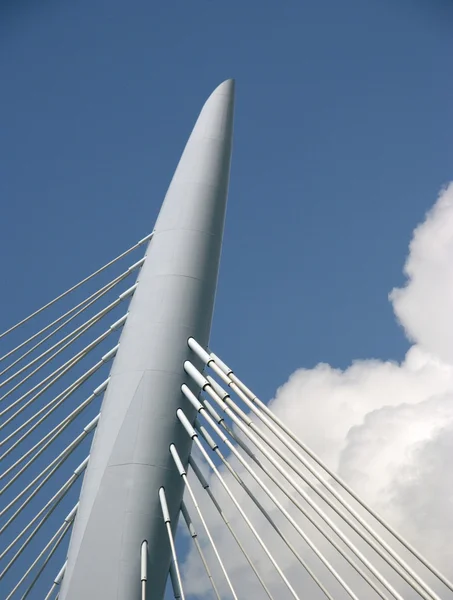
(167, 392)
(129, 460)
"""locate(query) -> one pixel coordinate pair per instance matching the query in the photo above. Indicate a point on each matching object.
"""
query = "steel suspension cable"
(144, 567)
(210, 419)
(56, 582)
(69, 339)
(193, 534)
(85, 305)
(50, 507)
(227, 375)
(49, 438)
(53, 404)
(205, 385)
(281, 487)
(177, 591)
(71, 310)
(193, 434)
(55, 542)
(214, 447)
(205, 485)
(183, 473)
(77, 285)
(47, 473)
(371, 538)
(58, 541)
(167, 521)
(326, 484)
(51, 379)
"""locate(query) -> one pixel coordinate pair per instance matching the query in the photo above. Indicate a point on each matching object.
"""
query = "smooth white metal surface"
(173, 301)
(144, 561)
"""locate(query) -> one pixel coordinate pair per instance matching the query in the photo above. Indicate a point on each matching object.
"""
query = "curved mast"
(130, 460)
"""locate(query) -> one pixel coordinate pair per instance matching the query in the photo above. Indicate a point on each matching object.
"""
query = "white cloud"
(424, 305)
(386, 428)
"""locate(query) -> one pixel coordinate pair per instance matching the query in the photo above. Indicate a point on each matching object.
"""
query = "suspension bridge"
(121, 391)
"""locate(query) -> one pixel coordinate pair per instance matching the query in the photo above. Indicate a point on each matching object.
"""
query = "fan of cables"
(51, 386)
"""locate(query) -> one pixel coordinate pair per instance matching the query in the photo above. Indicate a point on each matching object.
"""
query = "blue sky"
(342, 141)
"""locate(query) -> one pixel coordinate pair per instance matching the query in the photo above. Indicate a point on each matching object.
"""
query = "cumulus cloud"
(423, 306)
(385, 427)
